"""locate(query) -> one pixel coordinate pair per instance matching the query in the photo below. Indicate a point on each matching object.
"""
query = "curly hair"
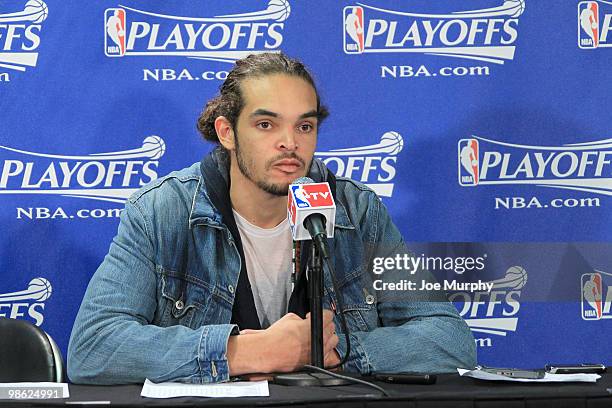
(230, 101)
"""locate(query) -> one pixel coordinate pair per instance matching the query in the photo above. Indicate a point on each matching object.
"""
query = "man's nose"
(287, 141)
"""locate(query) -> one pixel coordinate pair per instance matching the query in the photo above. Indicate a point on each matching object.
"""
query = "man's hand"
(330, 339)
(283, 347)
(331, 359)
(287, 343)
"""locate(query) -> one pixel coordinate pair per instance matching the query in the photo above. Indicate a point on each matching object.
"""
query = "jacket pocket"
(181, 300)
(359, 302)
(361, 317)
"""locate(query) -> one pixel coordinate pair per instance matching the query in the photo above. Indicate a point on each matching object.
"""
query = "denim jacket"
(160, 304)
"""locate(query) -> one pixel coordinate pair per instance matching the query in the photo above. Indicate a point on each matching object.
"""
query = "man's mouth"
(287, 165)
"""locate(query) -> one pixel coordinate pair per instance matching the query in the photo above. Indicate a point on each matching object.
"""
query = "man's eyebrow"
(263, 112)
(311, 114)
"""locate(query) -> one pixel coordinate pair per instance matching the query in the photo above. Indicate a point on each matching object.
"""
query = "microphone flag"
(306, 198)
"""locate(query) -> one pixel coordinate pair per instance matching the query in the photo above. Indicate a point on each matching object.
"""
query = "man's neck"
(257, 206)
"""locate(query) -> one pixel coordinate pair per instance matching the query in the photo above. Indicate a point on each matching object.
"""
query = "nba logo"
(591, 296)
(292, 211)
(588, 24)
(301, 197)
(468, 162)
(353, 30)
(114, 32)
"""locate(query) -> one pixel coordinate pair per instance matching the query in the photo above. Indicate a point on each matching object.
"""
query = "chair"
(27, 353)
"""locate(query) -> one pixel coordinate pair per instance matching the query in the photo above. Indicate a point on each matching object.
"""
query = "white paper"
(31, 387)
(483, 375)
(220, 390)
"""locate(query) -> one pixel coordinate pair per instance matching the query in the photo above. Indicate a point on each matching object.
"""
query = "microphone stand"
(315, 294)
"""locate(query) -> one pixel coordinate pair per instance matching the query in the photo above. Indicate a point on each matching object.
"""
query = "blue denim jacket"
(160, 304)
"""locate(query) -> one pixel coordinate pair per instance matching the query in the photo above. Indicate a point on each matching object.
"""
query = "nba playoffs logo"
(114, 41)
(595, 300)
(109, 176)
(582, 166)
(222, 37)
(20, 34)
(494, 312)
(373, 165)
(487, 34)
(468, 162)
(353, 30)
(594, 24)
(28, 303)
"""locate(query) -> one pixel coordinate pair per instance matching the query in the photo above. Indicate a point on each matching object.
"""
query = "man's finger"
(331, 342)
(250, 331)
(329, 327)
(257, 377)
(332, 358)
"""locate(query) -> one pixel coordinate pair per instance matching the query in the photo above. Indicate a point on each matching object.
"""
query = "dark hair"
(230, 101)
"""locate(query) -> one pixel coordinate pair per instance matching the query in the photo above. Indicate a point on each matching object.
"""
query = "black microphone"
(310, 209)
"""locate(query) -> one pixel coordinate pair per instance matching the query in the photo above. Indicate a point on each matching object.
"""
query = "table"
(449, 391)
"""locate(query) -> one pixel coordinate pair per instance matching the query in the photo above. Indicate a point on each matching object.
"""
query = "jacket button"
(370, 299)
(230, 288)
(179, 305)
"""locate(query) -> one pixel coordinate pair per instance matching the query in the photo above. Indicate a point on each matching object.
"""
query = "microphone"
(311, 211)
(312, 215)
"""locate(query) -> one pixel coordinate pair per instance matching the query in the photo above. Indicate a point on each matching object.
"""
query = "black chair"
(27, 353)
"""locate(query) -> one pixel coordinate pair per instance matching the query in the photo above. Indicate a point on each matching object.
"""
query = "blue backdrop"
(484, 125)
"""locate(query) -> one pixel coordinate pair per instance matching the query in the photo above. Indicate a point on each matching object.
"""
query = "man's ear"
(225, 133)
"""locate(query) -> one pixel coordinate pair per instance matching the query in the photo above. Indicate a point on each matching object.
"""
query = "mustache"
(284, 156)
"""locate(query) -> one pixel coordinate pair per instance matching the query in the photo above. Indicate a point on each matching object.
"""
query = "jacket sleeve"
(113, 340)
(419, 331)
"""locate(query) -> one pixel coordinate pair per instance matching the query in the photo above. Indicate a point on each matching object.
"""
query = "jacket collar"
(207, 206)
(203, 211)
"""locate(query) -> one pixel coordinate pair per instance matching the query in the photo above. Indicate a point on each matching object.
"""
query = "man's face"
(276, 132)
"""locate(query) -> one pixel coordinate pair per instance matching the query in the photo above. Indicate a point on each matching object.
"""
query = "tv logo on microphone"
(309, 199)
(596, 301)
(312, 195)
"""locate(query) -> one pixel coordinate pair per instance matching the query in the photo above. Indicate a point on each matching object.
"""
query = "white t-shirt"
(268, 262)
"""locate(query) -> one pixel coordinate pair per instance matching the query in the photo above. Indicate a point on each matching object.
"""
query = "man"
(196, 286)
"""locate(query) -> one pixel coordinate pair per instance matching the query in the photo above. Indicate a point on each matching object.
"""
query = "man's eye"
(264, 125)
(305, 128)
